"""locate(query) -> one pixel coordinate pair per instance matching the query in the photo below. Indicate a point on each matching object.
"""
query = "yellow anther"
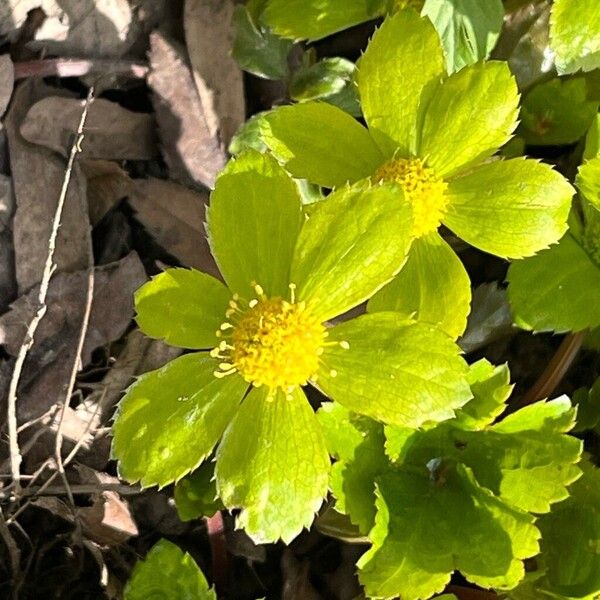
(422, 188)
(345, 345)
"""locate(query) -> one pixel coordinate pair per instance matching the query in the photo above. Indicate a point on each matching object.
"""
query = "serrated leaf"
(510, 208)
(167, 572)
(588, 181)
(588, 407)
(468, 29)
(254, 219)
(433, 286)
(170, 419)
(477, 106)
(491, 389)
(342, 435)
(557, 112)
(351, 246)
(256, 49)
(569, 563)
(421, 526)
(196, 494)
(273, 463)
(249, 135)
(301, 136)
(393, 370)
(397, 76)
(316, 19)
(566, 294)
(324, 78)
(184, 307)
(592, 140)
(575, 35)
(338, 525)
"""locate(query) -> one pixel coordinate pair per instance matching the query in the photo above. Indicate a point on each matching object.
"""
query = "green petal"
(167, 572)
(184, 307)
(510, 208)
(273, 464)
(315, 19)
(253, 222)
(468, 29)
(320, 142)
(433, 286)
(170, 419)
(471, 115)
(557, 290)
(396, 77)
(352, 244)
(395, 371)
(575, 35)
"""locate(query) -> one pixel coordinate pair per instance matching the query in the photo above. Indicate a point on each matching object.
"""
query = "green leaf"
(249, 136)
(471, 115)
(170, 419)
(167, 572)
(273, 463)
(254, 219)
(588, 181)
(352, 244)
(316, 19)
(566, 292)
(575, 35)
(569, 563)
(592, 140)
(422, 523)
(338, 525)
(433, 286)
(184, 307)
(588, 407)
(468, 29)
(557, 112)
(491, 388)
(321, 143)
(358, 442)
(397, 76)
(395, 371)
(256, 49)
(196, 494)
(510, 208)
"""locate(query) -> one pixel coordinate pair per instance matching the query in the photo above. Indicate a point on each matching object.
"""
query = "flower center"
(270, 341)
(422, 188)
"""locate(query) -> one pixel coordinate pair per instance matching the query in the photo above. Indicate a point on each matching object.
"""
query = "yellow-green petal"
(396, 77)
(470, 116)
(184, 307)
(170, 419)
(510, 208)
(273, 464)
(320, 142)
(433, 287)
(352, 244)
(393, 370)
(254, 218)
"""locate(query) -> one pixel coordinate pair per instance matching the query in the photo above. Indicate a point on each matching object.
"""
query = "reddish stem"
(215, 527)
(464, 593)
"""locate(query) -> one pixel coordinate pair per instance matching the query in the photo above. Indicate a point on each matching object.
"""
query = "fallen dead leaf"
(191, 150)
(7, 80)
(111, 131)
(49, 363)
(174, 215)
(13, 13)
(38, 175)
(107, 184)
(209, 37)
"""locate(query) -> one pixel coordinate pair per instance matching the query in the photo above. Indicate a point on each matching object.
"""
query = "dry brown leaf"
(107, 184)
(13, 13)
(296, 579)
(7, 80)
(49, 363)
(38, 175)
(192, 152)
(111, 131)
(174, 215)
(209, 37)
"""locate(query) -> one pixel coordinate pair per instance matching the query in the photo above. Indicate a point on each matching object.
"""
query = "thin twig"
(78, 67)
(77, 489)
(555, 370)
(49, 268)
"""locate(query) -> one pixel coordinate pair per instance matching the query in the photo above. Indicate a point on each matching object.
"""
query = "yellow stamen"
(422, 188)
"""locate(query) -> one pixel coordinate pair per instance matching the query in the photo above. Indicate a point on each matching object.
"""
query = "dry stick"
(49, 268)
(555, 370)
(79, 489)
(74, 67)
